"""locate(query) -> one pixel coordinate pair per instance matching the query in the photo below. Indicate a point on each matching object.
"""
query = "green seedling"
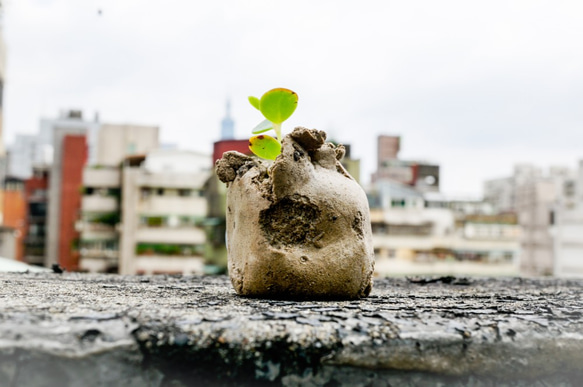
(276, 105)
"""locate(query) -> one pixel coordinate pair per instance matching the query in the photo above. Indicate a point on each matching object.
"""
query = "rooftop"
(78, 329)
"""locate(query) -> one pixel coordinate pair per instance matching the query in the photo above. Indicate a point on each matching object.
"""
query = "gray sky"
(475, 86)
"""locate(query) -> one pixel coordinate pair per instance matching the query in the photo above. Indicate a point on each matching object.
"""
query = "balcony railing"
(96, 203)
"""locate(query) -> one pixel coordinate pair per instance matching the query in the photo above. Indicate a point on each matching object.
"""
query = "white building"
(163, 209)
(145, 217)
(29, 151)
(3, 158)
(534, 206)
(431, 241)
(99, 220)
(116, 142)
(501, 193)
(535, 200)
(100, 217)
(21, 156)
(415, 233)
(567, 227)
(540, 200)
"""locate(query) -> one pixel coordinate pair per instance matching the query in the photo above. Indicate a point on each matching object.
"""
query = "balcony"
(158, 264)
(454, 242)
(101, 177)
(87, 226)
(189, 235)
(188, 206)
(96, 203)
(99, 253)
(173, 180)
(97, 234)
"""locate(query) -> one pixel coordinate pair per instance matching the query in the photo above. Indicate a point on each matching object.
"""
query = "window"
(131, 148)
(552, 217)
(38, 209)
(155, 221)
(185, 192)
(186, 221)
(398, 203)
(569, 188)
(39, 193)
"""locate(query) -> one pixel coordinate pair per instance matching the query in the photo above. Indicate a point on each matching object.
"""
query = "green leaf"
(263, 126)
(278, 105)
(254, 101)
(265, 146)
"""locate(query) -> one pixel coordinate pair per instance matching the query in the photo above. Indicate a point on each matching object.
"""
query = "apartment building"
(100, 215)
(422, 175)
(424, 233)
(65, 198)
(567, 227)
(163, 213)
(36, 188)
(15, 210)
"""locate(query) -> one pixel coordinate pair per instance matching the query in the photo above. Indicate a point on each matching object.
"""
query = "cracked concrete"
(84, 330)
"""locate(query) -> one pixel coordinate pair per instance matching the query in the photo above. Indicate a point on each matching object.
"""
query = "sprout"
(276, 105)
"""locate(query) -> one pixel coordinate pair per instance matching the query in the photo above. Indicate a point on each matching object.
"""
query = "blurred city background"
(461, 121)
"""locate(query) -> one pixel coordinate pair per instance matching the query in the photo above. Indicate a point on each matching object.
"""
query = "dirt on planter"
(298, 228)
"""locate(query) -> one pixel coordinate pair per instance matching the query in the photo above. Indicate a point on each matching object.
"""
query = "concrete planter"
(300, 228)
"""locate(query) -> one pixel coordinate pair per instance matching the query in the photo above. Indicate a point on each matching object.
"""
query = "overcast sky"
(475, 86)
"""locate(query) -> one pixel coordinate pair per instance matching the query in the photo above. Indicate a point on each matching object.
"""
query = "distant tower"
(227, 124)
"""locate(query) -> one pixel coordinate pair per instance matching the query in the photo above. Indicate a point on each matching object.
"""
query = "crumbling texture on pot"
(299, 228)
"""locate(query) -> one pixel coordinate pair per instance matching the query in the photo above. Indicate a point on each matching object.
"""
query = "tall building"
(146, 217)
(117, 141)
(60, 147)
(3, 160)
(163, 213)
(30, 151)
(21, 156)
(532, 195)
(415, 233)
(422, 175)
(501, 193)
(387, 149)
(100, 212)
(567, 227)
(99, 219)
(215, 192)
(534, 205)
(36, 189)
(222, 146)
(65, 197)
(227, 124)
(15, 210)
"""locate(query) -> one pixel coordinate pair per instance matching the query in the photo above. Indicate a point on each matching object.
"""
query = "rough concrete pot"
(300, 228)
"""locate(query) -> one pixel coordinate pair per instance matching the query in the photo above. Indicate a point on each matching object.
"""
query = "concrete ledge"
(84, 330)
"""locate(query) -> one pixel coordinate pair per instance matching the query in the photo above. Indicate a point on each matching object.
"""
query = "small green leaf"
(254, 101)
(263, 126)
(265, 146)
(278, 105)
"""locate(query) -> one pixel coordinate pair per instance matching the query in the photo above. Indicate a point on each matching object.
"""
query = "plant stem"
(277, 128)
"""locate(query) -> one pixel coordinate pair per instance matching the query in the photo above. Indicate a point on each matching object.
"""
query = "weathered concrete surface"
(85, 330)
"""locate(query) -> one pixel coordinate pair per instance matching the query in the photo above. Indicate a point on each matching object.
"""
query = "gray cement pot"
(300, 228)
